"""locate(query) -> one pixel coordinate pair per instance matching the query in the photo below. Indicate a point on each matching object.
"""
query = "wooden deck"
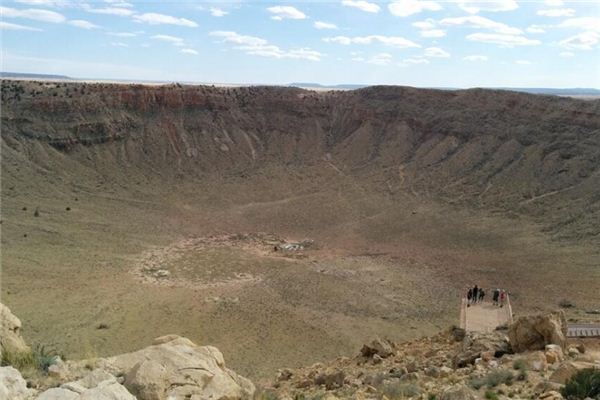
(484, 317)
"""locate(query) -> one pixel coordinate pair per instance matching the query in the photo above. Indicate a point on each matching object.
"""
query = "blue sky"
(459, 43)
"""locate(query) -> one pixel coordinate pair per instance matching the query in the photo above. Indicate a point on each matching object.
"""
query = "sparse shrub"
(68, 208)
(493, 379)
(36, 213)
(40, 358)
(477, 383)
(491, 395)
(499, 377)
(269, 394)
(400, 390)
(564, 303)
(520, 366)
(432, 396)
(584, 384)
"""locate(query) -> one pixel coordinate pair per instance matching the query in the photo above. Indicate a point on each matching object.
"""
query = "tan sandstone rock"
(96, 385)
(458, 392)
(176, 368)
(13, 386)
(10, 332)
(536, 331)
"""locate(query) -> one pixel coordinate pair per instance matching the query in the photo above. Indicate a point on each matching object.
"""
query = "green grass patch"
(38, 359)
(584, 384)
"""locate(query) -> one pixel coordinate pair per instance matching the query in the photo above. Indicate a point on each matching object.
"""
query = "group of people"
(476, 295)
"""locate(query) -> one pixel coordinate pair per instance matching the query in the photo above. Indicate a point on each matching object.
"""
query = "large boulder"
(13, 386)
(380, 347)
(175, 368)
(475, 344)
(534, 332)
(10, 333)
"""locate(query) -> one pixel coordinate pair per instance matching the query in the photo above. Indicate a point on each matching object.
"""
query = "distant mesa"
(23, 75)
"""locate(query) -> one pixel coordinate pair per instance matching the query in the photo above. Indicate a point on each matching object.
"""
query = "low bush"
(493, 379)
(40, 359)
(584, 384)
(491, 395)
(399, 390)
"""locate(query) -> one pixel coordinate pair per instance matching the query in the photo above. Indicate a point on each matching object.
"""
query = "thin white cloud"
(16, 27)
(189, 51)
(582, 41)
(118, 11)
(436, 52)
(535, 29)
(380, 59)
(285, 12)
(433, 33)
(34, 14)
(362, 5)
(218, 12)
(123, 34)
(324, 25)
(119, 3)
(119, 44)
(413, 61)
(583, 23)
(476, 21)
(404, 8)
(523, 62)
(475, 6)
(44, 3)
(393, 41)
(566, 54)
(260, 47)
(428, 28)
(80, 23)
(557, 12)
(503, 40)
(554, 3)
(174, 40)
(236, 38)
(158, 19)
(475, 57)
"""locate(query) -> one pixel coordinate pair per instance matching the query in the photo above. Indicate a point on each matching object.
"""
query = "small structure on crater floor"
(294, 246)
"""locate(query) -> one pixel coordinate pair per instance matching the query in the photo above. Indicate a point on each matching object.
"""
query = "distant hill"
(547, 91)
(22, 75)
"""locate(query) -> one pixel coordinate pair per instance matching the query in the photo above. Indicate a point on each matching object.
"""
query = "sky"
(424, 43)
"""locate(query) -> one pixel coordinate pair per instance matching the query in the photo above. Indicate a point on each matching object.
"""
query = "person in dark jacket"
(475, 294)
(469, 296)
(481, 295)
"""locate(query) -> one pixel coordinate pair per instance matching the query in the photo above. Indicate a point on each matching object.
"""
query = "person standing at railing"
(502, 297)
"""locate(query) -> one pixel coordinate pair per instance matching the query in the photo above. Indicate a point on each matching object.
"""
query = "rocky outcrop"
(536, 331)
(475, 345)
(13, 386)
(380, 347)
(10, 333)
(172, 368)
(176, 368)
(97, 384)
